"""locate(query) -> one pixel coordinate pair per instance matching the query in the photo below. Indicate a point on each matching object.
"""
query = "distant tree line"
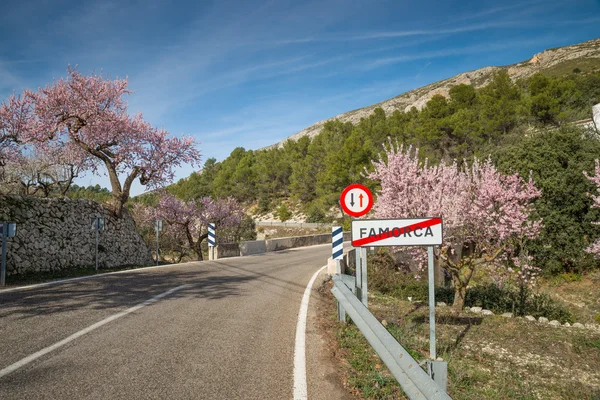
(523, 126)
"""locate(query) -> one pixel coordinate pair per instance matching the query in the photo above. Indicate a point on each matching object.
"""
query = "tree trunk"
(116, 199)
(461, 279)
(460, 293)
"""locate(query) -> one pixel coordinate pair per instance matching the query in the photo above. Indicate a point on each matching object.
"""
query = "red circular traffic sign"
(356, 200)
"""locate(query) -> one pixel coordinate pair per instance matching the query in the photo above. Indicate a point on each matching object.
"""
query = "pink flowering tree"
(594, 248)
(89, 113)
(484, 213)
(14, 117)
(188, 220)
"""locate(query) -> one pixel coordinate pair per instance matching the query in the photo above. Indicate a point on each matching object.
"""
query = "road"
(220, 329)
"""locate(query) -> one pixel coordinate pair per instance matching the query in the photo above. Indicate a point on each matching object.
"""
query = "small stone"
(486, 312)
(384, 323)
(578, 325)
(554, 323)
(476, 309)
(529, 318)
(566, 324)
(409, 298)
(590, 326)
(507, 315)
(543, 320)
(441, 304)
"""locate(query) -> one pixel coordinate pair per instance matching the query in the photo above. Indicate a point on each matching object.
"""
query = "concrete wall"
(227, 250)
(263, 246)
(298, 241)
(55, 234)
(253, 247)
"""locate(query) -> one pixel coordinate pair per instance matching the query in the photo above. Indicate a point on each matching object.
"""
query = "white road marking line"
(38, 354)
(300, 386)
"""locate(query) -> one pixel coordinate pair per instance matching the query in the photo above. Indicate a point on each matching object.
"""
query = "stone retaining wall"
(55, 234)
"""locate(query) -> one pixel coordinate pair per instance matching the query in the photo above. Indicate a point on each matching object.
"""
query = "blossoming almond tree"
(483, 211)
(190, 218)
(89, 113)
(594, 248)
(14, 116)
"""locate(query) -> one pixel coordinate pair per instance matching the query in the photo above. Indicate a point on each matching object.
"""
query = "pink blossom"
(483, 211)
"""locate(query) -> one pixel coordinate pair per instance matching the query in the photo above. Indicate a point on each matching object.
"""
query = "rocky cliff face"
(56, 234)
(550, 60)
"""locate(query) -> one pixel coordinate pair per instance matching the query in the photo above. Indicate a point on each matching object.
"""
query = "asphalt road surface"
(220, 329)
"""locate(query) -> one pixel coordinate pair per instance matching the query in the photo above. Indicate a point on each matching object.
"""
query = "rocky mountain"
(558, 61)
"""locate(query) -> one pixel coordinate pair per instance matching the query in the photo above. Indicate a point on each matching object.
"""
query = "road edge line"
(300, 385)
(32, 357)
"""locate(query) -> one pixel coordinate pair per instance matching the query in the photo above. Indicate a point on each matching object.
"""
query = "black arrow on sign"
(352, 199)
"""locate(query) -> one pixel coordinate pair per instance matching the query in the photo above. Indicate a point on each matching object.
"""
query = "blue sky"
(250, 73)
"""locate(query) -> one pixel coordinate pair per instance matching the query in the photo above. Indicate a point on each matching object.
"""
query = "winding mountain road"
(220, 329)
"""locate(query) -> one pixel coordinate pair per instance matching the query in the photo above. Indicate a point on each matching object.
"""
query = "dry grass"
(488, 357)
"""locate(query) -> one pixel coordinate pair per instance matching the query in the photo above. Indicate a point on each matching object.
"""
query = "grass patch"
(488, 358)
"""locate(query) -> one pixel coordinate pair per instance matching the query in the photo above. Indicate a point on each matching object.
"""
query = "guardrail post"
(438, 371)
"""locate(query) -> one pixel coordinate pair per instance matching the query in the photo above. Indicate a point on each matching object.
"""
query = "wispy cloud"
(496, 10)
(474, 49)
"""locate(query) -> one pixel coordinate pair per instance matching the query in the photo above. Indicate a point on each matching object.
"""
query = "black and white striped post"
(337, 253)
(212, 241)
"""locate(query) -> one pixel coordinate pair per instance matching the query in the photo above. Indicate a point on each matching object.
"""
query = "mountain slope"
(557, 61)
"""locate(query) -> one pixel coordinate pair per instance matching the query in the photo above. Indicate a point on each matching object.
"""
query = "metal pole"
(363, 262)
(156, 246)
(358, 268)
(431, 303)
(3, 269)
(97, 226)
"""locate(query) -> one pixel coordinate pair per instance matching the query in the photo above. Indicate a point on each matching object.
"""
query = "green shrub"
(565, 278)
(388, 277)
(264, 205)
(283, 213)
(315, 213)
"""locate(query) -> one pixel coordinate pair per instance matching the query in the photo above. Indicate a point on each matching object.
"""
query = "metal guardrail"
(294, 224)
(415, 382)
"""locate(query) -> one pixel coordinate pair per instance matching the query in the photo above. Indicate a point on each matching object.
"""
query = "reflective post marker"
(212, 241)
(337, 253)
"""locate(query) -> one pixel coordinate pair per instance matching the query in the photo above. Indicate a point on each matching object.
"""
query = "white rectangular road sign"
(397, 232)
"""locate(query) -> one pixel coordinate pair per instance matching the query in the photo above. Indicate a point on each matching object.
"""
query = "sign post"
(158, 227)
(357, 200)
(97, 225)
(408, 232)
(212, 241)
(9, 229)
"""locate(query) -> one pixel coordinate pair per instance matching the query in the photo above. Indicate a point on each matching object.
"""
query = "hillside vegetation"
(523, 125)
